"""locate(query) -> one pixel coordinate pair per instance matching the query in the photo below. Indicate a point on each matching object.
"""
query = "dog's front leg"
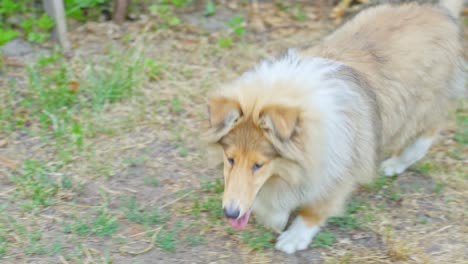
(310, 218)
(301, 232)
(274, 219)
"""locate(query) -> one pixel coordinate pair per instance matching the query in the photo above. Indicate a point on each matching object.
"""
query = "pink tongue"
(240, 223)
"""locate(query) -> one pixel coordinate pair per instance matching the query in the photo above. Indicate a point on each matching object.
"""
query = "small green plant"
(298, 13)
(346, 222)
(196, 208)
(236, 25)
(104, 224)
(423, 220)
(34, 185)
(3, 240)
(212, 205)
(258, 240)
(194, 240)
(461, 134)
(176, 105)
(151, 180)
(379, 183)
(35, 247)
(216, 186)
(424, 167)
(350, 218)
(166, 239)
(137, 214)
(6, 35)
(135, 161)
(165, 11)
(323, 239)
(225, 42)
(210, 8)
(439, 188)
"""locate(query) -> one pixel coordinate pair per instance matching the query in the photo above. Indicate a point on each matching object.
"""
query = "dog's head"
(250, 141)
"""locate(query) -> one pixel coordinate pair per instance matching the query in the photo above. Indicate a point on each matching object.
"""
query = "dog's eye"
(256, 167)
(231, 161)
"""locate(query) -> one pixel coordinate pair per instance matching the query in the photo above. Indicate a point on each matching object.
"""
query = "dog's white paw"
(392, 166)
(297, 237)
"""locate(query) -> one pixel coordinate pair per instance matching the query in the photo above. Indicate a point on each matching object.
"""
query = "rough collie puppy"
(302, 131)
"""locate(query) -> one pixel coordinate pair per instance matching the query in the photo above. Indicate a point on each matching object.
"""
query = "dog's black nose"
(231, 212)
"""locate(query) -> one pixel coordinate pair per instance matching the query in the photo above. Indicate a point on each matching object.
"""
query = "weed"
(115, 82)
(237, 25)
(34, 246)
(135, 161)
(350, 219)
(216, 186)
(35, 185)
(3, 240)
(194, 240)
(225, 42)
(165, 11)
(166, 239)
(424, 167)
(346, 222)
(196, 208)
(212, 205)
(379, 183)
(423, 220)
(66, 182)
(323, 239)
(210, 8)
(55, 248)
(137, 214)
(258, 240)
(6, 35)
(104, 224)
(151, 180)
(461, 134)
(299, 14)
(176, 105)
(439, 188)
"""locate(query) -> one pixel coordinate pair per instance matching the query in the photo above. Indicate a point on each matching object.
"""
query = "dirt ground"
(140, 189)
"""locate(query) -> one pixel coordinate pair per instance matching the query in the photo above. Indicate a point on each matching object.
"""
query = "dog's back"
(412, 57)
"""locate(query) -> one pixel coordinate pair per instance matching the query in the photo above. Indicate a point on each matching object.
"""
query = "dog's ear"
(224, 114)
(280, 121)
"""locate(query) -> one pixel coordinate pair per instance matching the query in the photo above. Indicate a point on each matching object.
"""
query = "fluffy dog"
(302, 131)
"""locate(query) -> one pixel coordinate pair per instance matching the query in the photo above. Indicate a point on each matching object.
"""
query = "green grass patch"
(194, 240)
(138, 214)
(461, 134)
(104, 224)
(216, 186)
(213, 206)
(424, 167)
(323, 239)
(151, 180)
(259, 239)
(34, 186)
(166, 239)
(352, 218)
(57, 104)
(3, 240)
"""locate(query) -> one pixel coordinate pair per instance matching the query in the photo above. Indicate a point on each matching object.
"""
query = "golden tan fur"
(402, 52)
(320, 122)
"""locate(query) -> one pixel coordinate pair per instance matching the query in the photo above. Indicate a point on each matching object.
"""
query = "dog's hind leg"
(412, 153)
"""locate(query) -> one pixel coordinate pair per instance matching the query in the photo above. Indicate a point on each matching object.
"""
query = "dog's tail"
(453, 6)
